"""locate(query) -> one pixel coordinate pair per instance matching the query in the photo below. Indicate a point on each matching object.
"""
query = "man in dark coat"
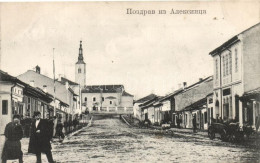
(12, 147)
(41, 134)
(194, 124)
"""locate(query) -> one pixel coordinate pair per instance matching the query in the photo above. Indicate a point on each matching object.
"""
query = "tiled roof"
(146, 98)
(103, 89)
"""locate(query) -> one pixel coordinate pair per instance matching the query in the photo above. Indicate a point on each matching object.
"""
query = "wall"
(251, 58)
(194, 94)
(127, 101)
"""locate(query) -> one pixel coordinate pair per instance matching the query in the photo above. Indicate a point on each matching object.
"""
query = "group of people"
(40, 136)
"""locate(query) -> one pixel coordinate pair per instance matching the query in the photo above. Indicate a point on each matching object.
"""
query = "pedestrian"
(194, 123)
(12, 147)
(41, 134)
(60, 129)
(75, 122)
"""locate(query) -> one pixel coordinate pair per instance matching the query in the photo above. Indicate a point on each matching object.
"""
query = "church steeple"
(80, 68)
(80, 57)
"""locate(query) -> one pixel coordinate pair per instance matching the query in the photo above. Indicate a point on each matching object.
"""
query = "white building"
(237, 71)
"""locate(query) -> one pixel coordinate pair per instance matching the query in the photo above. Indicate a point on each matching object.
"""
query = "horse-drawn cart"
(229, 132)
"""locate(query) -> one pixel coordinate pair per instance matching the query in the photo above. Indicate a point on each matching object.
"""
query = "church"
(107, 98)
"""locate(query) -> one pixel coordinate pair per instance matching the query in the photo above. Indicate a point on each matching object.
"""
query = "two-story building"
(17, 97)
(236, 72)
(107, 98)
(64, 96)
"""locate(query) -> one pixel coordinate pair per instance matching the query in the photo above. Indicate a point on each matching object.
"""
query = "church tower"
(80, 68)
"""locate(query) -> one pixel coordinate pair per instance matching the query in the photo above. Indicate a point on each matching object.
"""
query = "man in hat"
(41, 134)
(12, 147)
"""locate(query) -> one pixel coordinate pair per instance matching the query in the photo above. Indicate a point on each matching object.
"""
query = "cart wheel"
(223, 135)
(211, 133)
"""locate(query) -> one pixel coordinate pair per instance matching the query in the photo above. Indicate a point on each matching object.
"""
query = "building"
(20, 98)
(17, 97)
(192, 100)
(237, 73)
(80, 68)
(107, 98)
(137, 103)
(64, 95)
(78, 109)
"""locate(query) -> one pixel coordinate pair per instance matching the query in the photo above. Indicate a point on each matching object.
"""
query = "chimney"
(45, 88)
(38, 69)
(184, 85)
(200, 79)
(32, 83)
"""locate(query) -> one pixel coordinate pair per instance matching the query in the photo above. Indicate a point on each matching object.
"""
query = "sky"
(147, 54)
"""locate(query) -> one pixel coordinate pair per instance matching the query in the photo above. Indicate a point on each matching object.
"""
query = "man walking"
(12, 147)
(194, 124)
(41, 134)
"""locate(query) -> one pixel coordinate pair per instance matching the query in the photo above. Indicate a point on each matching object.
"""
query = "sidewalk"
(31, 158)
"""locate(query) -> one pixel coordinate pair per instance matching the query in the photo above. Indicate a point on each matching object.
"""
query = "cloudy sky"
(152, 53)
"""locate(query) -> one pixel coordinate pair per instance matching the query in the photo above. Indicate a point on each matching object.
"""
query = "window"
(79, 70)
(4, 107)
(236, 61)
(224, 66)
(110, 102)
(86, 99)
(230, 63)
(103, 99)
(94, 98)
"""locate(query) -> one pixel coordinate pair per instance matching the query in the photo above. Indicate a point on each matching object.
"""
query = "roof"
(230, 42)
(196, 105)
(149, 102)
(28, 90)
(80, 62)
(64, 80)
(253, 94)
(127, 94)
(40, 80)
(146, 98)
(103, 89)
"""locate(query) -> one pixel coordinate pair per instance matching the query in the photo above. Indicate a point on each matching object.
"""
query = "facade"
(64, 95)
(236, 71)
(108, 98)
(80, 68)
(20, 98)
(191, 101)
(137, 103)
